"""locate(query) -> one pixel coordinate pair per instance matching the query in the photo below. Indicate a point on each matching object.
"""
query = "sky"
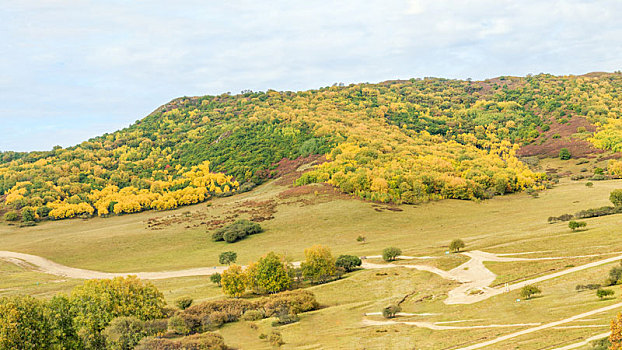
(74, 69)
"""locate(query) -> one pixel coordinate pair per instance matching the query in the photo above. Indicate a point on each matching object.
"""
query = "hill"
(397, 141)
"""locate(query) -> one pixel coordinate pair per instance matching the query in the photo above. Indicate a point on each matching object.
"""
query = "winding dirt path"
(40, 264)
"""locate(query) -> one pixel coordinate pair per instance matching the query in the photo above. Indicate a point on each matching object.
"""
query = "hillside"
(397, 141)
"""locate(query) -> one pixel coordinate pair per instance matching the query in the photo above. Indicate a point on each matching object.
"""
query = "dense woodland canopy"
(399, 141)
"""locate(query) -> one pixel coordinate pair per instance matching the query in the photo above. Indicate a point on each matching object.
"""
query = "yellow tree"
(233, 281)
(616, 333)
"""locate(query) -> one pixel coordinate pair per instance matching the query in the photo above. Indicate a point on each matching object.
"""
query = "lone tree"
(390, 311)
(391, 253)
(564, 154)
(616, 197)
(227, 258)
(456, 245)
(574, 225)
(604, 293)
(528, 291)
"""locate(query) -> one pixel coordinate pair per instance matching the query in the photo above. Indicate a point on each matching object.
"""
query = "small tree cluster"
(348, 262)
(237, 231)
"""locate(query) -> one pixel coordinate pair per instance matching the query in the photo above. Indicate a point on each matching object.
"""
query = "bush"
(348, 262)
(24, 324)
(43, 212)
(124, 333)
(183, 302)
(360, 239)
(11, 216)
(604, 293)
(564, 154)
(156, 327)
(615, 275)
(236, 231)
(177, 325)
(253, 315)
(456, 245)
(528, 291)
(589, 184)
(390, 311)
(591, 286)
(574, 225)
(391, 253)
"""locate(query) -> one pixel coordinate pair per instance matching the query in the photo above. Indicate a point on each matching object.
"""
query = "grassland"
(509, 224)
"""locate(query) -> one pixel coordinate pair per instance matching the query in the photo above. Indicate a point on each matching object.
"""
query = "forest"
(404, 141)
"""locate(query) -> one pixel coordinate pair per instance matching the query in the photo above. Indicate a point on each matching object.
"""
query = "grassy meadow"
(507, 224)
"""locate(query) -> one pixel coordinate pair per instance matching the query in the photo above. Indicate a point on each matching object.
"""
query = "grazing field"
(513, 226)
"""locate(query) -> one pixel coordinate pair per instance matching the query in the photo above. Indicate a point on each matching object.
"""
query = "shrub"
(319, 264)
(124, 333)
(11, 216)
(237, 231)
(589, 184)
(348, 262)
(285, 316)
(183, 302)
(43, 212)
(360, 239)
(390, 311)
(574, 225)
(564, 154)
(604, 293)
(391, 253)
(253, 315)
(456, 245)
(156, 327)
(528, 291)
(591, 286)
(216, 278)
(598, 177)
(227, 258)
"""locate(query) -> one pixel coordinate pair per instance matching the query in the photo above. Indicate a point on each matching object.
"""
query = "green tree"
(456, 245)
(215, 278)
(233, 281)
(574, 225)
(616, 197)
(564, 154)
(319, 264)
(391, 253)
(528, 291)
(24, 324)
(227, 258)
(123, 333)
(269, 274)
(61, 316)
(348, 262)
(97, 302)
(604, 293)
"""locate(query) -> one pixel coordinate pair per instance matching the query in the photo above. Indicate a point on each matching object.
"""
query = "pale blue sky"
(74, 69)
